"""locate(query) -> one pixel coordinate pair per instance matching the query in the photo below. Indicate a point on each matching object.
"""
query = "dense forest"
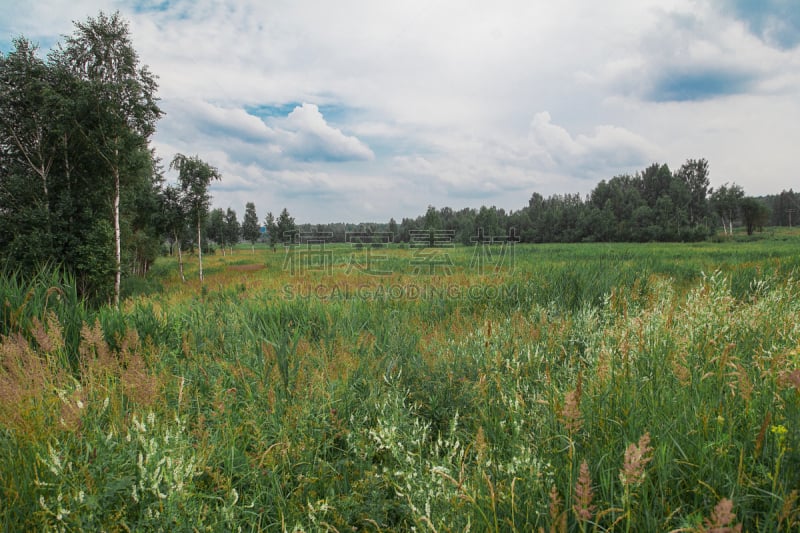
(81, 187)
(652, 205)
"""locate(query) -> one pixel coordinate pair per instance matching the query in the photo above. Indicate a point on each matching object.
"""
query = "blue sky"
(359, 110)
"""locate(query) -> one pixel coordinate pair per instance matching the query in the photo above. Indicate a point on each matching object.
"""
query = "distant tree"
(432, 219)
(250, 228)
(272, 230)
(232, 229)
(285, 226)
(393, 228)
(174, 216)
(215, 228)
(755, 214)
(785, 208)
(432, 223)
(726, 201)
(141, 222)
(654, 183)
(694, 174)
(406, 226)
(487, 221)
(195, 176)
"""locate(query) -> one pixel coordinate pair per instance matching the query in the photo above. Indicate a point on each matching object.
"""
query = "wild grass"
(588, 388)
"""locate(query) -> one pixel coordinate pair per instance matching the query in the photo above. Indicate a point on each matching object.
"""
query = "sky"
(362, 110)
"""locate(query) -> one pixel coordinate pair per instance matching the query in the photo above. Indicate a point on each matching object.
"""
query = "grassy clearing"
(581, 388)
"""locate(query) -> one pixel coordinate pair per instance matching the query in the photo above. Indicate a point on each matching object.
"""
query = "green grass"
(331, 400)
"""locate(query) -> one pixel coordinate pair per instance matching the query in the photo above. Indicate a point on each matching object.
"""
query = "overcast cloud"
(364, 110)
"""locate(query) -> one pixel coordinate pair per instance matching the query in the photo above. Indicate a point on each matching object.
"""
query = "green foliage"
(285, 227)
(726, 201)
(242, 408)
(194, 177)
(272, 230)
(652, 205)
(755, 214)
(74, 132)
(784, 208)
(250, 227)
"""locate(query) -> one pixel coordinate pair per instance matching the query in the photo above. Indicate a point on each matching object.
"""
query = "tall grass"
(591, 388)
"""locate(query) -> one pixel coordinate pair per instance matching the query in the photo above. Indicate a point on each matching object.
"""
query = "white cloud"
(303, 135)
(440, 102)
(309, 137)
(608, 149)
(208, 119)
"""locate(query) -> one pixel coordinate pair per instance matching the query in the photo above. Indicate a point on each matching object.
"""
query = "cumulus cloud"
(608, 149)
(206, 118)
(307, 136)
(302, 136)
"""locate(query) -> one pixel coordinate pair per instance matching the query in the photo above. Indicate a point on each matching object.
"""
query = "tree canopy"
(78, 178)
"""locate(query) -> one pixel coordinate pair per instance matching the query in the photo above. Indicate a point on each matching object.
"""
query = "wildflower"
(794, 378)
(721, 518)
(583, 495)
(571, 413)
(55, 461)
(558, 519)
(778, 430)
(780, 433)
(789, 511)
(636, 458)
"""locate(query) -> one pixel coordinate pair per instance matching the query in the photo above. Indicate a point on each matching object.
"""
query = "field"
(594, 387)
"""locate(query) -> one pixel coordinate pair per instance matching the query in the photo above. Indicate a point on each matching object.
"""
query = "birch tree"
(121, 101)
(195, 177)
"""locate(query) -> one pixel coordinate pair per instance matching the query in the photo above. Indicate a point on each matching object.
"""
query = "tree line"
(655, 204)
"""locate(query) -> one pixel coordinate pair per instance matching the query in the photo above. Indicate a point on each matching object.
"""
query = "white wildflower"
(55, 461)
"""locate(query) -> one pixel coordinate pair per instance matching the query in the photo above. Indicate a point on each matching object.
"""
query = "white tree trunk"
(117, 238)
(199, 249)
(180, 257)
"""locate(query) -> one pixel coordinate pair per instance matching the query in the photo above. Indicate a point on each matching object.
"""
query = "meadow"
(589, 387)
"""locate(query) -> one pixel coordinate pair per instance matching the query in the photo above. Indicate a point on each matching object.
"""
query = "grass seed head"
(584, 510)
